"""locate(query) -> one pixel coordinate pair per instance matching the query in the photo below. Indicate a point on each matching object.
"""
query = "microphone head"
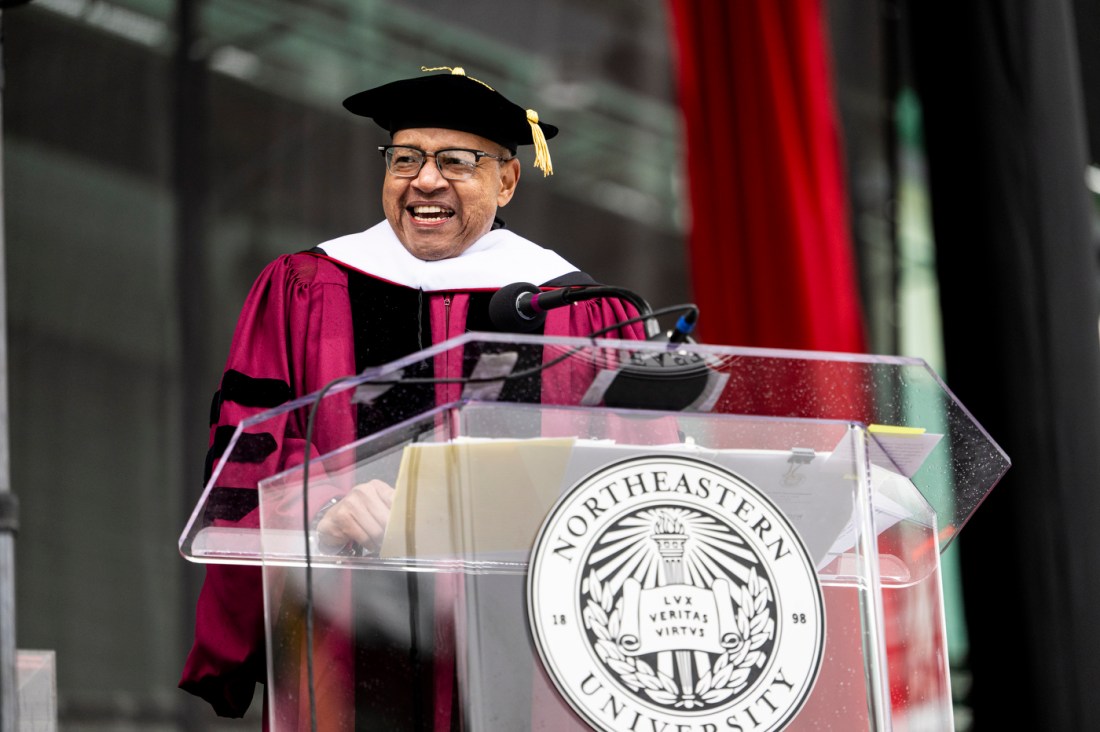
(505, 313)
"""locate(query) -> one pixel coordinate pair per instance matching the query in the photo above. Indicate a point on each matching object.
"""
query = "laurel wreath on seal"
(728, 675)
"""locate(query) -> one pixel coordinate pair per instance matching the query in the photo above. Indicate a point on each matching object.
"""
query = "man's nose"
(429, 179)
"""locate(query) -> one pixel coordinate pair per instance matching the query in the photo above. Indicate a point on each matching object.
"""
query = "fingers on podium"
(360, 516)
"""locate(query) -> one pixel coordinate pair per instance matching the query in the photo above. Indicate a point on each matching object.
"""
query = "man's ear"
(509, 179)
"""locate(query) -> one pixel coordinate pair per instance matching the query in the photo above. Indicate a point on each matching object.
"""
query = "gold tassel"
(542, 150)
(456, 71)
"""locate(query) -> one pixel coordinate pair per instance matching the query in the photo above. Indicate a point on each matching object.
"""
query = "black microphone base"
(661, 383)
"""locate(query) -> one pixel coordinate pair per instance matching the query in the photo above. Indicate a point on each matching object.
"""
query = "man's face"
(437, 218)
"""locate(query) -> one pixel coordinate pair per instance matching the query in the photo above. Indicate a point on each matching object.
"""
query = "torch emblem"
(694, 623)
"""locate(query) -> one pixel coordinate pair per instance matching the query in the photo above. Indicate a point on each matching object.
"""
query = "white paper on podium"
(895, 455)
(490, 497)
(810, 497)
(899, 449)
(474, 497)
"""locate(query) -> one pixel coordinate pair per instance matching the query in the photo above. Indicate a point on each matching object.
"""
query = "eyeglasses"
(453, 163)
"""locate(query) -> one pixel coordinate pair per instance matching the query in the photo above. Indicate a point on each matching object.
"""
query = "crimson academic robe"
(308, 320)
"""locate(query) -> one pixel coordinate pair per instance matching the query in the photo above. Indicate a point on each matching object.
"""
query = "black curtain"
(1004, 118)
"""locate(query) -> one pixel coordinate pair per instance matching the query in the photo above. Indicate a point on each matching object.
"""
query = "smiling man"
(451, 165)
(424, 274)
(439, 210)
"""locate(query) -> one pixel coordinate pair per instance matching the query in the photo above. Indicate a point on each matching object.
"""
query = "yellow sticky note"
(888, 429)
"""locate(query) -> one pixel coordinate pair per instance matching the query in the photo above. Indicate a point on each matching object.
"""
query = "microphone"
(511, 311)
(521, 307)
(671, 379)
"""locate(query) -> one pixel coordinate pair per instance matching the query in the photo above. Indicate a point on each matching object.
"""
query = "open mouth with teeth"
(430, 214)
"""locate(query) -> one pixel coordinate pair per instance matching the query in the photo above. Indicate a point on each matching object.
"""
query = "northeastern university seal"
(666, 592)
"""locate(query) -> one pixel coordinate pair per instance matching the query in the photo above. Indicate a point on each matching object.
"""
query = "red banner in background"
(770, 246)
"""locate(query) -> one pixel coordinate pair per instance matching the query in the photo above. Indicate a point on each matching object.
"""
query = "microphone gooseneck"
(521, 307)
(668, 380)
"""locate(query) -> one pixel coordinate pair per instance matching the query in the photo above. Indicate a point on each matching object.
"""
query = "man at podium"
(424, 274)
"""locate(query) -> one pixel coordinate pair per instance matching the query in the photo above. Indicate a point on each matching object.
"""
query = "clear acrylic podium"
(870, 460)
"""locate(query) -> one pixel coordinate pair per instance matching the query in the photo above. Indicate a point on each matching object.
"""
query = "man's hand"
(359, 517)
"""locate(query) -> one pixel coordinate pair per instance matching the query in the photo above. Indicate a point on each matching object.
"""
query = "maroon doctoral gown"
(310, 318)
